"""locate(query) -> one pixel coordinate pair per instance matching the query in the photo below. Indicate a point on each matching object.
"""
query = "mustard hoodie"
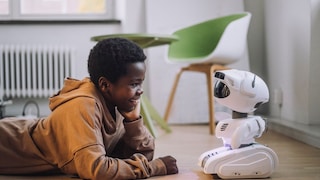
(79, 137)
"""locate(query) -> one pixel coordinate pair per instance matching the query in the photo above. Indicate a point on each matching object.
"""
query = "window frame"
(15, 14)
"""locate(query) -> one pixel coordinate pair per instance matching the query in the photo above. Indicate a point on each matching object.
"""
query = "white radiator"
(33, 71)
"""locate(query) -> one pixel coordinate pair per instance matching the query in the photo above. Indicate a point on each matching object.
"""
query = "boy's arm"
(136, 139)
(138, 144)
(90, 163)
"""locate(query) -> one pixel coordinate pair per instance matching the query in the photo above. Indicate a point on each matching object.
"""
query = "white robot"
(240, 157)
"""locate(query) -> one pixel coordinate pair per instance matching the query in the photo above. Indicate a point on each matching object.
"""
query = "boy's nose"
(140, 91)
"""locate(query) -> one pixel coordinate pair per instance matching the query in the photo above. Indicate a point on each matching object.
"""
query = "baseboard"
(309, 134)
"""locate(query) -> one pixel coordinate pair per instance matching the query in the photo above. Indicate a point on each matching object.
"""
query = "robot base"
(254, 161)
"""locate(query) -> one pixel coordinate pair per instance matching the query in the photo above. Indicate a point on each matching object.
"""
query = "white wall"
(256, 37)
(314, 73)
(292, 34)
(287, 53)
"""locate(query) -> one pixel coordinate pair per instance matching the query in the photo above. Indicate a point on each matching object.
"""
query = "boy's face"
(126, 92)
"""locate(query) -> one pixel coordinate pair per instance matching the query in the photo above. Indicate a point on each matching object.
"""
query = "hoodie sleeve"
(91, 164)
(136, 139)
(137, 145)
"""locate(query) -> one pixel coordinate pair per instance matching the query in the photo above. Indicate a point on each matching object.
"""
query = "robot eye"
(219, 75)
(221, 90)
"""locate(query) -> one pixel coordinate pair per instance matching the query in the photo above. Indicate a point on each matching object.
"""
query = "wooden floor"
(297, 161)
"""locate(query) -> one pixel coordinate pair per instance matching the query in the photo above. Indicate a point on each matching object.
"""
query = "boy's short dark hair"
(109, 59)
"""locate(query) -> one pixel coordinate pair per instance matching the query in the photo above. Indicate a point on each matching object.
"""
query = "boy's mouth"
(135, 101)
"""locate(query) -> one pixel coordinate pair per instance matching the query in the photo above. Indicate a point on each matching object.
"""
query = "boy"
(95, 130)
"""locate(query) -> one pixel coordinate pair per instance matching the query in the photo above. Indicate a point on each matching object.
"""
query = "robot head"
(241, 91)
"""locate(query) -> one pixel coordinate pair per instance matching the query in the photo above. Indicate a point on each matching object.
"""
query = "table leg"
(147, 118)
(149, 113)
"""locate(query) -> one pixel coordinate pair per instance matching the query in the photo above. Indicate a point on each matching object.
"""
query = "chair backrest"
(222, 40)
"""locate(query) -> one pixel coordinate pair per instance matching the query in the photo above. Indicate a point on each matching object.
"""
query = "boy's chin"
(127, 110)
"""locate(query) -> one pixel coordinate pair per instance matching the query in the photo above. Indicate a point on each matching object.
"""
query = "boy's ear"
(104, 83)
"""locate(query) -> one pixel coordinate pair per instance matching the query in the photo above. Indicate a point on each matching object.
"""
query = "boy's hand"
(132, 115)
(171, 164)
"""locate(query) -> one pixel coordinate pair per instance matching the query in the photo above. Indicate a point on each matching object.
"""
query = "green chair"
(207, 47)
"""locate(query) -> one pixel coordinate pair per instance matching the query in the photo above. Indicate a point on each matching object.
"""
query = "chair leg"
(172, 94)
(208, 69)
(209, 75)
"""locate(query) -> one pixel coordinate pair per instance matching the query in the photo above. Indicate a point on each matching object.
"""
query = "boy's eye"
(135, 84)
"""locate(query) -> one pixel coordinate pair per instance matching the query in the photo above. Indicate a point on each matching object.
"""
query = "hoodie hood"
(74, 88)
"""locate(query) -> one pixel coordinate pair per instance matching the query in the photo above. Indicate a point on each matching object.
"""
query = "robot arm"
(245, 135)
(237, 133)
